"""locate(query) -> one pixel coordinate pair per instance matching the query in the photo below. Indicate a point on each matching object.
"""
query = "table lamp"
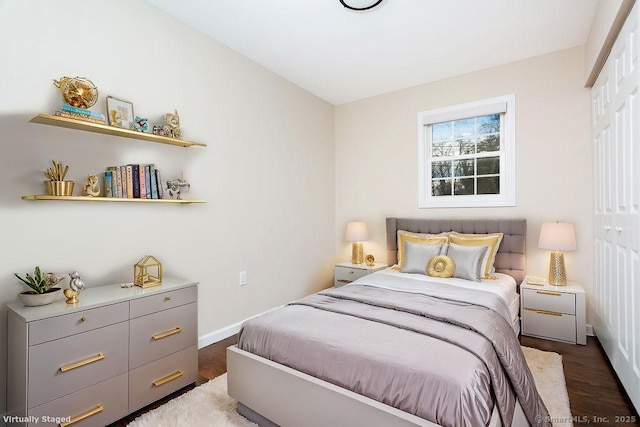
(356, 233)
(557, 237)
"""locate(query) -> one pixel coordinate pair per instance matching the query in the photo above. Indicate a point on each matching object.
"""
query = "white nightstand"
(346, 272)
(554, 312)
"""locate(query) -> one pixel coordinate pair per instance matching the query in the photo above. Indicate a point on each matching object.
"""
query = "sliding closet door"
(616, 138)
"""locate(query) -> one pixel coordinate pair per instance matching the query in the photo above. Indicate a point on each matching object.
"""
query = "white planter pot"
(33, 300)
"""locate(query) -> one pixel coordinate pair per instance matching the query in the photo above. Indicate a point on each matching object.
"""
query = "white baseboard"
(226, 332)
(590, 330)
(218, 335)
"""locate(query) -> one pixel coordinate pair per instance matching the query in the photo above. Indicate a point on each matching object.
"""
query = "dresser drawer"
(344, 275)
(558, 302)
(57, 368)
(560, 327)
(157, 335)
(101, 404)
(163, 301)
(155, 380)
(73, 323)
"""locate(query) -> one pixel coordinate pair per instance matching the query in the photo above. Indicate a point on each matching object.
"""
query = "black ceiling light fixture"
(360, 5)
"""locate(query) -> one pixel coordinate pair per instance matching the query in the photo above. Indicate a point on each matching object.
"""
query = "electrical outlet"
(243, 278)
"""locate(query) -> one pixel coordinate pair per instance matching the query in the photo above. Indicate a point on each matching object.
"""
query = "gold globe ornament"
(78, 92)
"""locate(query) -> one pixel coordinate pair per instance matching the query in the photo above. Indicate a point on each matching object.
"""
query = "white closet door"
(616, 138)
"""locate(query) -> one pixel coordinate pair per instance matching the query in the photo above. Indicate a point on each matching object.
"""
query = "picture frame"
(119, 113)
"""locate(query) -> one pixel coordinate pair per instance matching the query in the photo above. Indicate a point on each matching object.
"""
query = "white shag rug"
(547, 371)
(210, 405)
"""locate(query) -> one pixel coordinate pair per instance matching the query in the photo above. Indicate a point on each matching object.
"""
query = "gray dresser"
(94, 362)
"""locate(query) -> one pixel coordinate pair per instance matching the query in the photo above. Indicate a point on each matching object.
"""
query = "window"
(467, 154)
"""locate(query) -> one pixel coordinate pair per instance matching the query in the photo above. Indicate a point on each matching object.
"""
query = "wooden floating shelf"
(47, 119)
(109, 199)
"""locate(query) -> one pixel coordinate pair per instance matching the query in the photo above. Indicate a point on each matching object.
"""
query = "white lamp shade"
(557, 236)
(356, 232)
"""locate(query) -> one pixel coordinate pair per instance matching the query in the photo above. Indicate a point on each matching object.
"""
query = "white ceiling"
(342, 56)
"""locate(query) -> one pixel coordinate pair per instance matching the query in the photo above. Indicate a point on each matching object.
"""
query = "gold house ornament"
(147, 272)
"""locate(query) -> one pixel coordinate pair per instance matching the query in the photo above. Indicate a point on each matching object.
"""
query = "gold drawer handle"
(167, 298)
(344, 281)
(551, 313)
(81, 417)
(168, 333)
(176, 374)
(70, 366)
(555, 294)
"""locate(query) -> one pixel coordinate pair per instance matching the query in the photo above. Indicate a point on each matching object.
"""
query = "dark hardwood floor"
(595, 394)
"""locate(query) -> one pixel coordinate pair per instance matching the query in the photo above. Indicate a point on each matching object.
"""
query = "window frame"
(503, 105)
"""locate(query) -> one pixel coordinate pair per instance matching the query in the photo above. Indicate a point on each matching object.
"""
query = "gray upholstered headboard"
(510, 258)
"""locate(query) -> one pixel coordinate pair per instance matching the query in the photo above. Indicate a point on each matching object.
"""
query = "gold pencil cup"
(59, 188)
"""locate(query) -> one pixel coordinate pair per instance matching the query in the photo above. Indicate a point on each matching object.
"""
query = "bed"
(393, 348)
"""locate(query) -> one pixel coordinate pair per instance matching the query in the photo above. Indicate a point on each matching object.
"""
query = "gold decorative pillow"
(492, 240)
(441, 266)
(419, 238)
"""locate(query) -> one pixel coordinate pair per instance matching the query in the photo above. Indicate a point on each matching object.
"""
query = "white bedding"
(504, 286)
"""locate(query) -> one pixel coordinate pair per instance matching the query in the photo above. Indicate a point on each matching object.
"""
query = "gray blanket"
(442, 354)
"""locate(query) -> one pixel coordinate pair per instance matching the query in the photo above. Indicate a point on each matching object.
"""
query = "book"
(143, 182)
(107, 184)
(147, 177)
(159, 185)
(154, 182)
(123, 171)
(80, 117)
(135, 180)
(118, 192)
(129, 181)
(113, 180)
(82, 111)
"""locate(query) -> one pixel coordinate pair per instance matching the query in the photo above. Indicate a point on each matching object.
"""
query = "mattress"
(443, 351)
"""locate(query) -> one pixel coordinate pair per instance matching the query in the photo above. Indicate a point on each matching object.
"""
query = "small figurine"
(174, 187)
(92, 188)
(76, 285)
(173, 120)
(162, 130)
(140, 124)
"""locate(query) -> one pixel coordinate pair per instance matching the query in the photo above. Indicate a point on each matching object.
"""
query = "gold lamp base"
(357, 253)
(557, 272)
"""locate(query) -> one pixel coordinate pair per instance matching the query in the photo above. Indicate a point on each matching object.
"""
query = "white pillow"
(468, 261)
(423, 239)
(491, 240)
(417, 256)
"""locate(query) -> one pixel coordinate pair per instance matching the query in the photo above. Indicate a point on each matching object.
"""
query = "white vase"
(34, 300)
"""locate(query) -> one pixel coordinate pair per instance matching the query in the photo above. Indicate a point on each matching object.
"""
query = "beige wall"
(267, 172)
(376, 154)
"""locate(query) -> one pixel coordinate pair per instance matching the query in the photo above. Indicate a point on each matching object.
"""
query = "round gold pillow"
(441, 266)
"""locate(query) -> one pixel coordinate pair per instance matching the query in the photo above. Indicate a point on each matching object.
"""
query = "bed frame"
(272, 394)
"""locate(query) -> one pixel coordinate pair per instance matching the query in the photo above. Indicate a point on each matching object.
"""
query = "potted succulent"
(41, 288)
